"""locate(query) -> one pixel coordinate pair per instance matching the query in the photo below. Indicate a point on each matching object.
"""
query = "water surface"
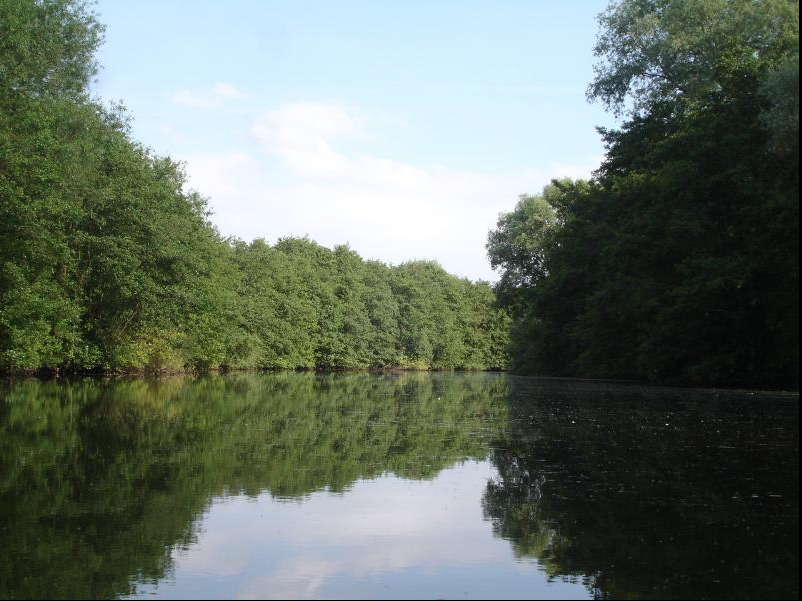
(395, 486)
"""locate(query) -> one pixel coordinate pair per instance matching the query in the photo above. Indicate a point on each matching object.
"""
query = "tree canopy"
(655, 51)
(679, 260)
(109, 262)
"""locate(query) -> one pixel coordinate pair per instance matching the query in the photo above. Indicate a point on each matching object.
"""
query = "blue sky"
(400, 128)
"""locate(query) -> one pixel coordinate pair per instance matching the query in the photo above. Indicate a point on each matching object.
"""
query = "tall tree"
(657, 51)
(679, 261)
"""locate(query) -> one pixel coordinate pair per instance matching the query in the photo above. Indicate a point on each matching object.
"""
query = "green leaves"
(679, 262)
(314, 307)
(47, 48)
(107, 262)
(653, 51)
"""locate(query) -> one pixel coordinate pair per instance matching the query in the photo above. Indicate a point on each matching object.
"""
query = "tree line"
(678, 261)
(107, 262)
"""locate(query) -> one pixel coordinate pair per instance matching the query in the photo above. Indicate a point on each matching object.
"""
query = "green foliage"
(679, 262)
(446, 322)
(107, 262)
(311, 307)
(46, 48)
(657, 51)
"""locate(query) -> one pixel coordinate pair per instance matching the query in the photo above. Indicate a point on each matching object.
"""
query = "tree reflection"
(101, 480)
(646, 493)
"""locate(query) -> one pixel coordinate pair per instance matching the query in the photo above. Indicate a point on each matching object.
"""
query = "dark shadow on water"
(651, 493)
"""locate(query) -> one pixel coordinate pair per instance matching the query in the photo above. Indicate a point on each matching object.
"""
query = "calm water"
(395, 486)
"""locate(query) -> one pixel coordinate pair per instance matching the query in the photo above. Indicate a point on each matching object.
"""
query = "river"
(395, 486)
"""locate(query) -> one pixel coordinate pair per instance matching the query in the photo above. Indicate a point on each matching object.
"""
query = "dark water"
(395, 486)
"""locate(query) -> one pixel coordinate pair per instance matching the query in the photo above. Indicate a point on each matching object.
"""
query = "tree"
(45, 64)
(519, 245)
(679, 261)
(656, 51)
(47, 49)
(108, 262)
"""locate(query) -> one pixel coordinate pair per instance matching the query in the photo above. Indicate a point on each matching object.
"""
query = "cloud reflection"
(382, 528)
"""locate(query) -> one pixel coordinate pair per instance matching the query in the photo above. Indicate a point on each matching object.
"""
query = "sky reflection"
(383, 538)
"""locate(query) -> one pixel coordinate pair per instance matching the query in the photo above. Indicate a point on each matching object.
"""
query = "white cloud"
(385, 209)
(227, 91)
(300, 134)
(222, 175)
(215, 97)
